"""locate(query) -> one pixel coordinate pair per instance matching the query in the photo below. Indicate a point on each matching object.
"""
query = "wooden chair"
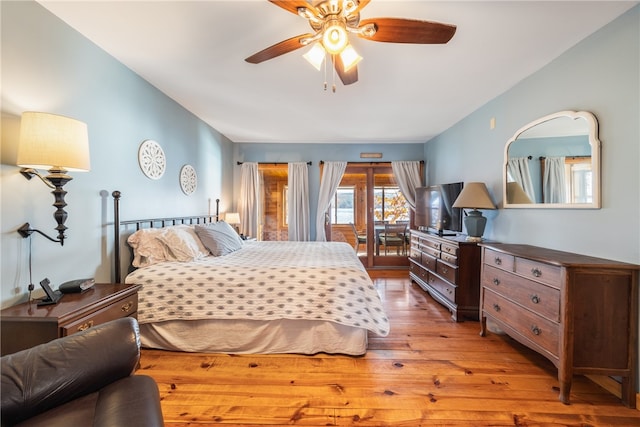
(394, 235)
(360, 238)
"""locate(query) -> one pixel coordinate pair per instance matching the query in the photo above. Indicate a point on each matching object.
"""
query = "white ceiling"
(194, 52)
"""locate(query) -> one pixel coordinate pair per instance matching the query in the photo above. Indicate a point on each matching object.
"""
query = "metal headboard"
(150, 223)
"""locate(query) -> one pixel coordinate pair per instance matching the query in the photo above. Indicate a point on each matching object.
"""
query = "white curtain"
(248, 203)
(407, 174)
(553, 182)
(331, 177)
(518, 171)
(298, 202)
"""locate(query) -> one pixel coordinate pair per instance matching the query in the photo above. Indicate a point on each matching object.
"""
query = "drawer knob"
(85, 326)
(497, 260)
(536, 272)
(445, 270)
(126, 307)
(496, 307)
(535, 299)
(496, 281)
(535, 330)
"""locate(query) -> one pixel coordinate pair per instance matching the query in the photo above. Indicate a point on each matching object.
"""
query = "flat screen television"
(434, 209)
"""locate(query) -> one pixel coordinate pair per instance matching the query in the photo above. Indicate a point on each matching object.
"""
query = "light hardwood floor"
(428, 371)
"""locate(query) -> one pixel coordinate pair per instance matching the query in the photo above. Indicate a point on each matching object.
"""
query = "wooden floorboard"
(429, 371)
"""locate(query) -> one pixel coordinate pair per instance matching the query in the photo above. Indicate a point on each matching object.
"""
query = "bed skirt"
(254, 337)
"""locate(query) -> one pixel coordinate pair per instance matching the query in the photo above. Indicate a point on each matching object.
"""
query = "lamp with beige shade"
(474, 196)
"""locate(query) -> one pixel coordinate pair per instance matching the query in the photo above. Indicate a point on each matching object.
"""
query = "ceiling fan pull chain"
(325, 75)
(333, 73)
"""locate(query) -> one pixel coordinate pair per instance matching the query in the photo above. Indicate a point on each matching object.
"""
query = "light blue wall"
(47, 66)
(602, 75)
(265, 153)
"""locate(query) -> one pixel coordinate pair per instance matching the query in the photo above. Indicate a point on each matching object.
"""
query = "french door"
(367, 197)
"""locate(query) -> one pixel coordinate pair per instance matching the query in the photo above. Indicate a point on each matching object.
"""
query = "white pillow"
(174, 243)
(219, 237)
(183, 243)
(147, 248)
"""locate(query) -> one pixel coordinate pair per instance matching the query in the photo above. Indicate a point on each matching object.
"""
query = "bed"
(262, 297)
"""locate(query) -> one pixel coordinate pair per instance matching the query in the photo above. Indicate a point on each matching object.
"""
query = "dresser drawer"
(536, 329)
(444, 288)
(449, 249)
(447, 271)
(431, 244)
(541, 299)
(498, 259)
(415, 254)
(123, 308)
(431, 251)
(447, 257)
(419, 271)
(429, 262)
(545, 273)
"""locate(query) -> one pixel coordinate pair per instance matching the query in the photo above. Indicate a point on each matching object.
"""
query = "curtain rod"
(568, 157)
(276, 163)
(365, 163)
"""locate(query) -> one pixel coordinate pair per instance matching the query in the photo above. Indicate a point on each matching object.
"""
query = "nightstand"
(26, 325)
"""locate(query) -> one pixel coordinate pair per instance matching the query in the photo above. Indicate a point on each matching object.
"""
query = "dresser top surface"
(555, 257)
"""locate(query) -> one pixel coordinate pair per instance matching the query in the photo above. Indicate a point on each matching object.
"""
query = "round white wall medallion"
(151, 159)
(188, 179)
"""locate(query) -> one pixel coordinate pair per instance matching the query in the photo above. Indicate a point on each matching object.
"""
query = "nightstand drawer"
(122, 308)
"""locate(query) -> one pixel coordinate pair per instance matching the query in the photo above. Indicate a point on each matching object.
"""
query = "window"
(390, 205)
(342, 208)
(578, 178)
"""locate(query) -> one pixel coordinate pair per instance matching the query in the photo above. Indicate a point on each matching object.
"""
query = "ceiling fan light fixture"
(348, 7)
(315, 55)
(349, 57)
(308, 14)
(334, 37)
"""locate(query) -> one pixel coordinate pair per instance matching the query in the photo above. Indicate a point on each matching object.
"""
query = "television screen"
(434, 208)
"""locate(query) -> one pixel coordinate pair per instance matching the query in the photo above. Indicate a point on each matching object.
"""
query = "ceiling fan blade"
(399, 30)
(347, 77)
(277, 49)
(361, 4)
(293, 5)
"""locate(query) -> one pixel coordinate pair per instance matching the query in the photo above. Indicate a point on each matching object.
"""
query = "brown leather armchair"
(85, 379)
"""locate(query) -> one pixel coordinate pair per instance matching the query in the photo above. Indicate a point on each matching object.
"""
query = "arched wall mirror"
(554, 162)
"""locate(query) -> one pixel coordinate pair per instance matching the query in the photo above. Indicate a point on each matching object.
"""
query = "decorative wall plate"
(151, 159)
(188, 179)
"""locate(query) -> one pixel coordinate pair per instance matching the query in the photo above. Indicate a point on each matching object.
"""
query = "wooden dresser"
(449, 269)
(27, 325)
(580, 312)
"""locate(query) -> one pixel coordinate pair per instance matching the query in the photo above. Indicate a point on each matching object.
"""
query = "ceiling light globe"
(334, 39)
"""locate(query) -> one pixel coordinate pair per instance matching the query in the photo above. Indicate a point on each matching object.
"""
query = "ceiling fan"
(331, 20)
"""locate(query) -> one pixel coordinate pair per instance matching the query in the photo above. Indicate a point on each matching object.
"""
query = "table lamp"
(474, 195)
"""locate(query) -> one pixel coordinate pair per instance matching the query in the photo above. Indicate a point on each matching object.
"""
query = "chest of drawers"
(449, 269)
(27, 325)
(580, 312)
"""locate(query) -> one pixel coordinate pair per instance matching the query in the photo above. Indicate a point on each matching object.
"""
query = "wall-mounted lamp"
(474, 195)
(56, 143)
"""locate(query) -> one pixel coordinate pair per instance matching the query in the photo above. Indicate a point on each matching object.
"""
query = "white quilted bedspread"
(264, 281)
